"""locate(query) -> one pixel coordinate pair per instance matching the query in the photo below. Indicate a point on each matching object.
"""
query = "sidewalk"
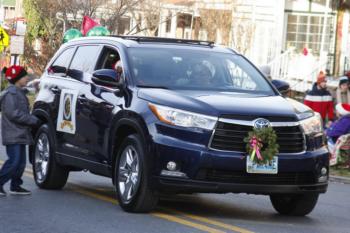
(339, 179)
(338, 174)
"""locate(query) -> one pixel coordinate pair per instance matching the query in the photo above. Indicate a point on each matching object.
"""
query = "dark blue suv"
(170, 116)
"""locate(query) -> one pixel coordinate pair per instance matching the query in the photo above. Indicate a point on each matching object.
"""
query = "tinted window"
(60, 65)
(85, 58)
(196, 70)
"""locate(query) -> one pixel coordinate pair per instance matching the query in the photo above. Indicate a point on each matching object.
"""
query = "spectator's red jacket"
(320, 100)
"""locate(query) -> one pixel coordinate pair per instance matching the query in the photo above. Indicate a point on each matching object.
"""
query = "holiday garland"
(261, 145)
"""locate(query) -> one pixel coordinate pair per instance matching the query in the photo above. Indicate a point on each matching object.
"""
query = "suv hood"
(223, 103)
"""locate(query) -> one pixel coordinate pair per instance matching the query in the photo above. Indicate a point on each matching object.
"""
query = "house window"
(306, 31)
(124, 26)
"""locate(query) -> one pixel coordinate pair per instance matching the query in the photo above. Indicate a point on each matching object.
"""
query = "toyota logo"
(261, 123)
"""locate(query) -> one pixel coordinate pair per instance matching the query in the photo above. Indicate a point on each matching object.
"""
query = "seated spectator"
(341, 126)
(343, 93)
(338, 137)
(320, 100)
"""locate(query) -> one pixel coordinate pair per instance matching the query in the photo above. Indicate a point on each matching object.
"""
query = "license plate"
(269, 168)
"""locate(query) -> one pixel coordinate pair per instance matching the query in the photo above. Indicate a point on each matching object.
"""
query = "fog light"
(323, 177)
(171, 166)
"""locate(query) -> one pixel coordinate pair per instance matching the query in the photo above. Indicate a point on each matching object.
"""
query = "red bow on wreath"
(256, 145)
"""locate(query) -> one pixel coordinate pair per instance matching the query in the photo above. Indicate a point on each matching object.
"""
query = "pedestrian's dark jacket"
(321, 101)
(16, 120)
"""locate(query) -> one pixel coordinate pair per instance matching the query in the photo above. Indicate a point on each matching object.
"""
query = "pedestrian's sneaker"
(19, 191)
(2, 192)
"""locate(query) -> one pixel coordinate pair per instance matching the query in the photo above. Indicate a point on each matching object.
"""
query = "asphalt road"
(87, 204)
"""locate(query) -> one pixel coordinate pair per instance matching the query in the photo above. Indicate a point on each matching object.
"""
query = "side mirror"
(281, 86)
(107, 78)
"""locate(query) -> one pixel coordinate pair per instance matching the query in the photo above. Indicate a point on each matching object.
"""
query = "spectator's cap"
(321, 77)
(14, 73)
(343, 80)
(343, 109)
(266, 70)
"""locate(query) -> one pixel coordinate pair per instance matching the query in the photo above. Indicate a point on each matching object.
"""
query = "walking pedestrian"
(16, 123)
(320, 100)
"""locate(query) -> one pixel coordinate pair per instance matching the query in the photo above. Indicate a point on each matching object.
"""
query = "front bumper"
(175, 185)
(222, 172)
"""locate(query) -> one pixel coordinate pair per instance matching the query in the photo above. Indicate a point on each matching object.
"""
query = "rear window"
(85, 58)
(60, 65)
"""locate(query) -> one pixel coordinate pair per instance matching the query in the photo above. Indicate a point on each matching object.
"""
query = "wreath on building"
(261, 145)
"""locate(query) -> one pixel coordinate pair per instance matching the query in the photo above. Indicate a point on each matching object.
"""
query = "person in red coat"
(319, 99)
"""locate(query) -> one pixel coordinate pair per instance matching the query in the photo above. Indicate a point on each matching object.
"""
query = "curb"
(339, 179)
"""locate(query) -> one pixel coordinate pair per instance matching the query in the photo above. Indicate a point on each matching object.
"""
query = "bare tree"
(236, 29)
(42, 22)
(147, 15)
(214, 21)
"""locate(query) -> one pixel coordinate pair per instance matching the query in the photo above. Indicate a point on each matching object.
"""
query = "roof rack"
(167, 40)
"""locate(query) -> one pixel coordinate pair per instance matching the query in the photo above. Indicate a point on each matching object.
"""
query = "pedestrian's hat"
(343, 109)
(321, 77)
(14, 73)
(343, 79)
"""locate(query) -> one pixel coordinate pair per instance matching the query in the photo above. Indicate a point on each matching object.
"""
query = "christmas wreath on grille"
(261, 145)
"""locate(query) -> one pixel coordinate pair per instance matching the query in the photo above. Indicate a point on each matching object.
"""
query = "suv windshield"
(195, 70)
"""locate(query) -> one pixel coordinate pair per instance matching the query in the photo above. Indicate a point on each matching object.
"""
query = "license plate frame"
(270, 168)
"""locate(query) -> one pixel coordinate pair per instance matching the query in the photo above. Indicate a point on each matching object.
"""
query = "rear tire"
(295, 205)
(48, 174)
(132, 177)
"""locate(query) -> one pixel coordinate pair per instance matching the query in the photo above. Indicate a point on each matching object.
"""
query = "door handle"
(55, 90)
(82, 98)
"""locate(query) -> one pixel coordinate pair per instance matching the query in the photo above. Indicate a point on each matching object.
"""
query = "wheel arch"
(46, 119)
(125, 124)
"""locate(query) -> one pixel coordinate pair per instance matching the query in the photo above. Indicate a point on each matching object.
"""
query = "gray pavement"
(87, 204)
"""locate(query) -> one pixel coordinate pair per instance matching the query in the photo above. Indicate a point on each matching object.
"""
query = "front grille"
(290, 178)
(229, 137)
(252, 117)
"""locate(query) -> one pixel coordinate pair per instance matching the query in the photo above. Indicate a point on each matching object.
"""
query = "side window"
(60, 65)
(109, 57)
(85, 58)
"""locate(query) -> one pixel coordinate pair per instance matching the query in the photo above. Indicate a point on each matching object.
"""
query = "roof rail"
(166, 40)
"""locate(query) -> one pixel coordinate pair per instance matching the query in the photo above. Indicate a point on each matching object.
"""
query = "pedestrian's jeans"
(14, 167)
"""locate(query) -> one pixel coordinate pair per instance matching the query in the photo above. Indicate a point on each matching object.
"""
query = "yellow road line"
(209, 221)
(96, 195)
(168, 217)
(85, 191)
(186, 222)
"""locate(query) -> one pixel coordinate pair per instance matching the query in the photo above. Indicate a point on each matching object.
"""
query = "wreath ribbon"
(256, 146)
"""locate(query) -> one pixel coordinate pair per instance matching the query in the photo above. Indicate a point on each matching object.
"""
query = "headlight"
(312, 124)
(182, 118)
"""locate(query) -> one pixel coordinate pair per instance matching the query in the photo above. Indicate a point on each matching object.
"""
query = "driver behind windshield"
(201, 76)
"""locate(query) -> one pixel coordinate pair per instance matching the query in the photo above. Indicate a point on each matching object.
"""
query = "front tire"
(48, 174)
(132, 177)
(295, 205)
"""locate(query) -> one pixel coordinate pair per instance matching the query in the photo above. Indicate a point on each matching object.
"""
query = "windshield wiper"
(152, 86)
